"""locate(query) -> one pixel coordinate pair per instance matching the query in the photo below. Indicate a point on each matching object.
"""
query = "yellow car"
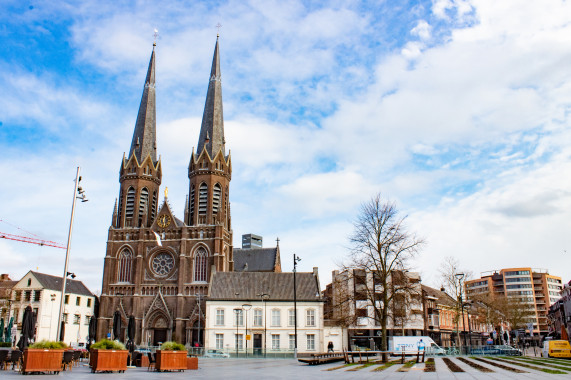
(556, 349)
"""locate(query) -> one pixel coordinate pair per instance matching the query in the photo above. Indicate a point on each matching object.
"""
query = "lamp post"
(198, 299)
(237, 311)
(460, 277)
(78, 193)
(246, 307)
(264, 298)
(296, 260)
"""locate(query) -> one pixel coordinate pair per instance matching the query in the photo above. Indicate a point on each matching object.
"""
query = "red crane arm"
(26, 239)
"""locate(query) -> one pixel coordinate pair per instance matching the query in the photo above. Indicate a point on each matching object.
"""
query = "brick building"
(158, 266)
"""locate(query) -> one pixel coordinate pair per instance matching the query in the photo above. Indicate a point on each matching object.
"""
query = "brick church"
(158, 267)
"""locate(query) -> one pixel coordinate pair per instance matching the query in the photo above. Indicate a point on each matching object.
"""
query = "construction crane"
(27, 239)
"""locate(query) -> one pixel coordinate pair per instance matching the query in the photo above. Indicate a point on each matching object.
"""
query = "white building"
(257, 309)
(43, 293)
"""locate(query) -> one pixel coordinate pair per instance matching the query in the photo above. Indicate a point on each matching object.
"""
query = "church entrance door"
(160, 336)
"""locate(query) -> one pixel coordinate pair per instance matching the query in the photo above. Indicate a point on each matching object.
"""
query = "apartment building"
(351, 298)
(532, 285)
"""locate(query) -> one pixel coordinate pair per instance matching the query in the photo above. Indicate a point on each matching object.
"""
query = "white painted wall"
(284, 329)
(48, 312)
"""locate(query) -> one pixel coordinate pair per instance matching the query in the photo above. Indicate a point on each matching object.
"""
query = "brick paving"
(290, 369)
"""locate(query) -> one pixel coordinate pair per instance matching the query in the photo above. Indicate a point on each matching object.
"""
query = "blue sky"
(457, 110)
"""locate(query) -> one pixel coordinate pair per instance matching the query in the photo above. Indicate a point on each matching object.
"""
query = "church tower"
(210, 170)
(158, 267)
(140, 173)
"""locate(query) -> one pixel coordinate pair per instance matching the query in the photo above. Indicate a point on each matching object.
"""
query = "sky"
(456, 110)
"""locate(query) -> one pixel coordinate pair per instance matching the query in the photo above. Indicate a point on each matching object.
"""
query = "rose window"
(162, 264)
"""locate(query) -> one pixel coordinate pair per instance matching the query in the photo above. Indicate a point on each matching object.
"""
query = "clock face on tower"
(164, 221)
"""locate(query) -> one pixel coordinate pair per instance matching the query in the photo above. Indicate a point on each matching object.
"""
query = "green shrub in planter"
(172, 346)
(106, 344)
(5, 344)
(49, 345)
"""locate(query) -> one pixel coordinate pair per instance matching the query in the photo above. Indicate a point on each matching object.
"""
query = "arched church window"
(216, 198)
(202, 199)
(143, 202)
(130, 203)
(192, 205)
(125, 269)
(154, 206)
(200, 264)
(119, 210)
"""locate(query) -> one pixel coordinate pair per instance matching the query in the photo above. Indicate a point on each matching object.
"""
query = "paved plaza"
(291, 369)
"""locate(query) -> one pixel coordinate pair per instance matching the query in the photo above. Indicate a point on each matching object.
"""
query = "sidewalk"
(290, 369)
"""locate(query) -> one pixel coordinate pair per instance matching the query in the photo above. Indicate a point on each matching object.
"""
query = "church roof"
(144, 137)
(212, 129)
(234, 286)
(54, 283)
(255, 259)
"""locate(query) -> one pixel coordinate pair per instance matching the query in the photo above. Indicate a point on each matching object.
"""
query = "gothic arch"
(200, 257)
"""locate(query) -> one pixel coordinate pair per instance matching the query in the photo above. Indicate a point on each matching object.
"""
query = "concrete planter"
(171, 361)
(108, 360)
(42, 360)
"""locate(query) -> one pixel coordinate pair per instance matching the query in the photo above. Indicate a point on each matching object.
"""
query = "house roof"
(255, 259)
(54, 283)
(443, 297)
(230, 286)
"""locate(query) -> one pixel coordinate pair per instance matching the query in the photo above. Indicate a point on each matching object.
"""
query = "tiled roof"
(255, 259)
(443, 297)
(54, 283)
(250, 285)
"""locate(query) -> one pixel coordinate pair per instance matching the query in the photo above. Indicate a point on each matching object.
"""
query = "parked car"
(509, 350)
(215, 354)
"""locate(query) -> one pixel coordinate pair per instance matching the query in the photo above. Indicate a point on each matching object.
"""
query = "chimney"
(4, 277)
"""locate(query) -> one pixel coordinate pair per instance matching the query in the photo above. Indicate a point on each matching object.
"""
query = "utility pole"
(80, 195)
(296, 259)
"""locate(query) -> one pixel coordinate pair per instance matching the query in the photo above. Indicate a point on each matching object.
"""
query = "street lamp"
(78, 193)
(264, 298)
(246, 307)
(460, 277)
(296, 259)
(237, 311)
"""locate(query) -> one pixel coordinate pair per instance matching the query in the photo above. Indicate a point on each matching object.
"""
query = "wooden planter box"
(42, 360)
(192, 363)
(108, 360)
(171, 360)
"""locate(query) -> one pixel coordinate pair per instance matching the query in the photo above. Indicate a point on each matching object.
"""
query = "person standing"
(330, 346)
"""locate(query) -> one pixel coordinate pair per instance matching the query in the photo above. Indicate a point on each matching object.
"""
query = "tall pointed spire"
(144, 137)
(212, 130)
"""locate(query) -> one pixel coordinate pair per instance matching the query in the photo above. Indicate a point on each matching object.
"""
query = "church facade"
(158, 267)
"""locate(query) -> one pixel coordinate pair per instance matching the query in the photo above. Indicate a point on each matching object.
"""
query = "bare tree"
(449, 271)
(379, 259)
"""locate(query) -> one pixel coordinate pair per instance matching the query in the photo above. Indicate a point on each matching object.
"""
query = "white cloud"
(422, 30)
(468, 135)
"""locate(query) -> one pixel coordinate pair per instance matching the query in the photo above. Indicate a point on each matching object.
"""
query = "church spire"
(212, 130)
(144, 137)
